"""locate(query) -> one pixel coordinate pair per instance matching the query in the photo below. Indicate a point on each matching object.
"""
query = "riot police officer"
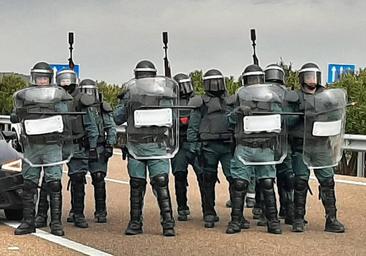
(145, 142)
(100, 137)
(256, 147)
(78, 165)
(42, 139)
(208, 125)
(310, 96)
(274, 74)
(183, 157)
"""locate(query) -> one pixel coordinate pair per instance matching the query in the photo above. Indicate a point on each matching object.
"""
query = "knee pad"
(160, 180)
(54, 186)
(181, 176)
(137, 183)
(328, 183)
(98, 177)
(240, 184)
(266, 183)
(78, 178)
(300, 184)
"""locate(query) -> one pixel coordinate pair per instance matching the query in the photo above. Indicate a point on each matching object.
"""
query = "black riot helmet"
(67, 79)
(185, 85)
(89, 86)
(144, 68)
(310, 75)
(214, 82)
(252, 74)
(39, 71)
(274, 73)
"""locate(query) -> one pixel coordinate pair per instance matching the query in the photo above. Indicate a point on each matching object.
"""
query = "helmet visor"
(185, 87)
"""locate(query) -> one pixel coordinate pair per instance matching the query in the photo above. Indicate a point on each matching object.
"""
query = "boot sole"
(182, 218)
(334, 231)
(24, 233)
(230, 232)
(58, 234)
(209, 224)
(127, 233)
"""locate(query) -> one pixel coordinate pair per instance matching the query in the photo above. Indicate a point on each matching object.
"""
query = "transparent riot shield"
(325, 118)
(261, 137)
(45, 125)
(152, 130)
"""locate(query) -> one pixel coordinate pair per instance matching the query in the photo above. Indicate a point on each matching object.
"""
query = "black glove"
(108, 151)
(93, 155)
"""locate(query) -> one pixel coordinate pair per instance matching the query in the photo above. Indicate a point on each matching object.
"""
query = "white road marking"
(62, 241)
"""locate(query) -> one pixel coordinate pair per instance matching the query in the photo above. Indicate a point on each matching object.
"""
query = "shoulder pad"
(106, 107)
(196, 101)
(230, 100)
(67, 96)
(291, 96)
(87, 100)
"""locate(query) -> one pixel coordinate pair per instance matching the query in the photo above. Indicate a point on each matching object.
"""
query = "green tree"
(110, 92)
(9, 85)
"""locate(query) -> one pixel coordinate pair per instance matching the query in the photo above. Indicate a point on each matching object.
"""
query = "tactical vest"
(145, 134)
(214, 124)
(183, 119)
(306, 101)
(27, 103)
(260, 138)
(77, 121)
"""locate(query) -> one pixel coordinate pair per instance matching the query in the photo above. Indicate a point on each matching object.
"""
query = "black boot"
(70, 217)
(137, 193)
(56, 207)
(41, 217)
(160, 186)
(28, 196)
(257, 209)
(300, 193)
(327, 194)
(78, 193)
(281, 194)
(262, 221)
(181, 195)
(210, 216)
(100, 213)
(289, 198)
(238, 189)
(270, 209)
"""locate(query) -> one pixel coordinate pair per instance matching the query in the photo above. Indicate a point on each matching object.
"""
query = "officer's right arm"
(91, 127)
(194, 119)
(120, 112)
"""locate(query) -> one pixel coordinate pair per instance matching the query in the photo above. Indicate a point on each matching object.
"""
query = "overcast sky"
(112, 36)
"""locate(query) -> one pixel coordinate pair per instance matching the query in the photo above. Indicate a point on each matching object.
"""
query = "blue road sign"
(335, 71)
(59, 67)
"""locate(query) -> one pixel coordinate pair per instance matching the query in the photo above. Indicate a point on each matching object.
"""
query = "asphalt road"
(192, 238)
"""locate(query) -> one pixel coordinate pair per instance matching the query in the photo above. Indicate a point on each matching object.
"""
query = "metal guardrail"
(352, 142)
